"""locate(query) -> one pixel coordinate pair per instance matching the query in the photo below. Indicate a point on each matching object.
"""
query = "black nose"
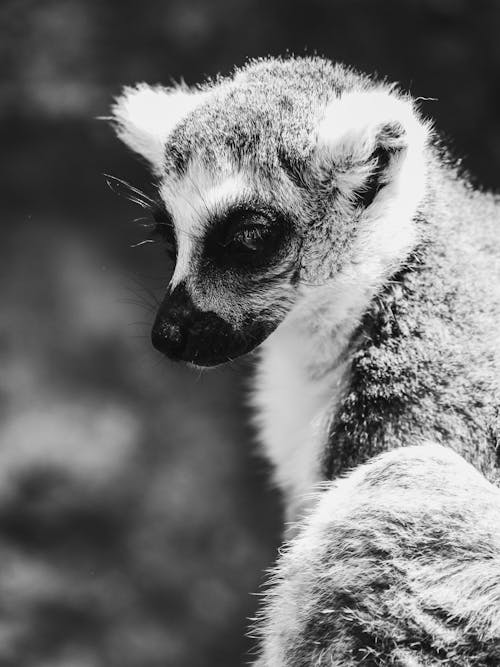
(168, 337)
(183, 332)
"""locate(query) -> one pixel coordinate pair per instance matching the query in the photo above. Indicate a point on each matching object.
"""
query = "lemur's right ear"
(143, 117)
(370, 139)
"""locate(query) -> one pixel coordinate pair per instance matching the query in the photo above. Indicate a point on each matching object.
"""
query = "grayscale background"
(136, 516)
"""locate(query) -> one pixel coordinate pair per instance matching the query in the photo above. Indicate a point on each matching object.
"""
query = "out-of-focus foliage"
(134, 519)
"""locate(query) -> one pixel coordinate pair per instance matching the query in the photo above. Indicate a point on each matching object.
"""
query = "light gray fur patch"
(399, 563)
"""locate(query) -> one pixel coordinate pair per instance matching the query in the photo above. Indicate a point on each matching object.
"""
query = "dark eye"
(248, 238)
(164, 230)
(246, 231)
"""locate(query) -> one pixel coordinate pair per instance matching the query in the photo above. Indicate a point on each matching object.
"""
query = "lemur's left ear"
(144, 116)
(367, 140)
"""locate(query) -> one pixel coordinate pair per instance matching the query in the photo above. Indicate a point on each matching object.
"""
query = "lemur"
(314, 216)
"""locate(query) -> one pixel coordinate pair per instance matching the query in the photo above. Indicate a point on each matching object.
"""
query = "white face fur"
(257, 238)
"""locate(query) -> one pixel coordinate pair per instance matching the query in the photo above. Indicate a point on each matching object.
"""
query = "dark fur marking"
(389, 142)
(293, 166)
(222, 254)
(178, 158)
(375, 182)
(241, 143)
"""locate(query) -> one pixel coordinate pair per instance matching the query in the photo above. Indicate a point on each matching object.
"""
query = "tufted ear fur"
(144, 116)
(367, 140)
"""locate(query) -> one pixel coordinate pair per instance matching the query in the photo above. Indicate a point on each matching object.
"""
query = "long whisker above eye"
(160, 219)
(130, 192)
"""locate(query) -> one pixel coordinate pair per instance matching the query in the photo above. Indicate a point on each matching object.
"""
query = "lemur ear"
(144, 116)
(365, 139)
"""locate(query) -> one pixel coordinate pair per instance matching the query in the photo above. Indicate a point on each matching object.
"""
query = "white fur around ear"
(373, 143)
(353, 126)
(374, 146)
(144, 116)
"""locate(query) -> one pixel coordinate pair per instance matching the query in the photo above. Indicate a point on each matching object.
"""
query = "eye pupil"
(245, 239)
(249, 238)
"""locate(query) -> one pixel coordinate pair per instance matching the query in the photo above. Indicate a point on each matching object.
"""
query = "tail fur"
(398, 564)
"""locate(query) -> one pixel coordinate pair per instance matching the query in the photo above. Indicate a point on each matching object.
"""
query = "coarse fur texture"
(398, 564)
(312, 214)
(426, 354)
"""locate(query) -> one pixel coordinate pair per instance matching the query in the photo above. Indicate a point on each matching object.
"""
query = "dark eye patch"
(246, 238)
(164, 229)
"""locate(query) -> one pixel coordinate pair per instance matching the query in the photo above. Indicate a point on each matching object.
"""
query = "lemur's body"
(421, 364)
(313, 214)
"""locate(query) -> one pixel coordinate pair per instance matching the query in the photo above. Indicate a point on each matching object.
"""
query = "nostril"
(168, 337)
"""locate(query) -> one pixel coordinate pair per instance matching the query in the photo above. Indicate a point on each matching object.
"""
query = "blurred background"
(136, 517)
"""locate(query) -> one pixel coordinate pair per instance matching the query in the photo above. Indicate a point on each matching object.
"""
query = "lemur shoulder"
(313, 216)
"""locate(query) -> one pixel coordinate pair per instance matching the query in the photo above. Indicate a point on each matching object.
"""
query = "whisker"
(147, 298)
(130, 192)
(139, 304)
(139, 243)
(148, 223)
(152, 300)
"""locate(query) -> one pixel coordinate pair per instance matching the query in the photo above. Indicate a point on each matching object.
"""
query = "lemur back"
(425, 358)
(313, 217)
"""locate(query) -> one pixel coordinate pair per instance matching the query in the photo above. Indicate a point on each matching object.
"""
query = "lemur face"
(277, 187)
(235, 263)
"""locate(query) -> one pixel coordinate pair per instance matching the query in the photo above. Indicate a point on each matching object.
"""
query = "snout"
(183, 332)
(169, 337)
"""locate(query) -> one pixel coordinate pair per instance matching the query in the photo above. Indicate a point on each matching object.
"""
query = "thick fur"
(379, 321)
(426, 356)
(398, 564)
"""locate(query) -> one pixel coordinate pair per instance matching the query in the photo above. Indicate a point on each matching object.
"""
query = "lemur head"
(292, 182)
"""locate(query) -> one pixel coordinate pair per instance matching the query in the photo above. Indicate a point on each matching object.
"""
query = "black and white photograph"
(250, 333)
